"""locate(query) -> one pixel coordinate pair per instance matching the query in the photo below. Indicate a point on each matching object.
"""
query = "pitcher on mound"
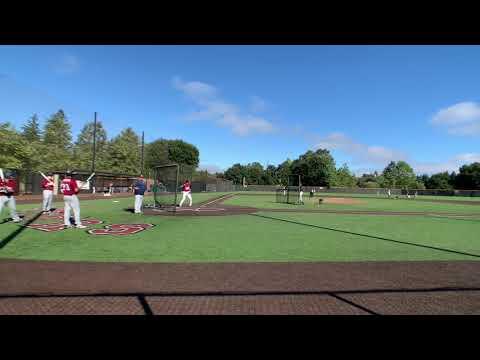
(186, 193)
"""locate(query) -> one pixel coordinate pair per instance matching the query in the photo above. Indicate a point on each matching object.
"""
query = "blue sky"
(367, 104)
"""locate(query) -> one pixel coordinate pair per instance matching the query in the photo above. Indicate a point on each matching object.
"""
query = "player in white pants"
(47, 186)
(69, 188)
(186, 193)
(7, 189)
(139, 190)
(301, 196)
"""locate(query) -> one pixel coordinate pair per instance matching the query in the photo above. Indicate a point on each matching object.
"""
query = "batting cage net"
(166, 186)
(290, 194)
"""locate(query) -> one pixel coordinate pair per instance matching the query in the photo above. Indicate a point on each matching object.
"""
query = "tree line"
(52, 148)
(318, 168)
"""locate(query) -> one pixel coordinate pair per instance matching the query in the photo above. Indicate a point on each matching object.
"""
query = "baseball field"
(242, 252)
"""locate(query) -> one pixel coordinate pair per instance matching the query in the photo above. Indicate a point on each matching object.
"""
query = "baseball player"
(69, 189)
(47, 186)
(186, 193)
(7, 189)
(301, 196)
(139, 189)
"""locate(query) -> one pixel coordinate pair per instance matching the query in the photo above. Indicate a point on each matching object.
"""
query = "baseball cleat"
(81, 227)
(67, 226)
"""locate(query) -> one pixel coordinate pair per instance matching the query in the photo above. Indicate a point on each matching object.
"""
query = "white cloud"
(452, 164)
(360, 153)
(459, 119)
(67, 64)
(378, 156)
(214, 108)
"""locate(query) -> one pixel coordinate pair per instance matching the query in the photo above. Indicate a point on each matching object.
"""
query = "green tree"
(399, 175)
(184, 154)
(316, 168)
(270, 175)
(468, 177)
(31, 133)
(283, 171)
(389, 175)
(439, 181)
(255, 173)
(124, 153)
(406, 176)
(344, 177)
(181, 152)
(15, 152)
(163, 151)
(83, 149)
(424, 179)
(31, 130)
(236, 173)
(371, 181)
(57, 139)
(156, 153)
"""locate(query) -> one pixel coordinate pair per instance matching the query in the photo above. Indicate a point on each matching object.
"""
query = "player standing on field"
(139, 189)
(7, 189)
(301, 195)
(186, 192)
(69, 188)
(47, 186)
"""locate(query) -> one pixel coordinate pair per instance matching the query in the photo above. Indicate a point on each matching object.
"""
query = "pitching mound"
(342, 201)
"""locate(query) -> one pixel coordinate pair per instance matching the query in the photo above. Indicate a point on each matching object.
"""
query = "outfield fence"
(363, 191)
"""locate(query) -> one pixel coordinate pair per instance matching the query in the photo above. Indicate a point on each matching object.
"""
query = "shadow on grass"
(17, 232)
(369, 236)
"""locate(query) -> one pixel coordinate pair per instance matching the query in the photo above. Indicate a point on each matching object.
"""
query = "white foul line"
(214, 200)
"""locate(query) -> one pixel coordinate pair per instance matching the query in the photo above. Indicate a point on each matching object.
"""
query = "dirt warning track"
(334, 288)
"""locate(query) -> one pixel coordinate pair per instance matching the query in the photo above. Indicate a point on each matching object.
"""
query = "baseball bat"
(1, 174)
(90, 177)
(45, 177)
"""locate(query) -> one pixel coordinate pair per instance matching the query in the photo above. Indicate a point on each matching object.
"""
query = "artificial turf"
(370, 204)
(247, 237)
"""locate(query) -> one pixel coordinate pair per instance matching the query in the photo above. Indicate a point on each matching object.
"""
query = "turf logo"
(47, 227)
(91, 221)
(58, 226)
(120, 229)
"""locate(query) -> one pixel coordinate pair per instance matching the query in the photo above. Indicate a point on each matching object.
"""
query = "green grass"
(371, 204)
(246, 238)
(448, 233)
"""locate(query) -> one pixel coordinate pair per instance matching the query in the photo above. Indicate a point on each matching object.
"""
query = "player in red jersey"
(7, 189)
(186, 193)
(69, 188)
(47, 186)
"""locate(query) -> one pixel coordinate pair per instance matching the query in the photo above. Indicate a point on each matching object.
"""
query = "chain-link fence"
(371, 192)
